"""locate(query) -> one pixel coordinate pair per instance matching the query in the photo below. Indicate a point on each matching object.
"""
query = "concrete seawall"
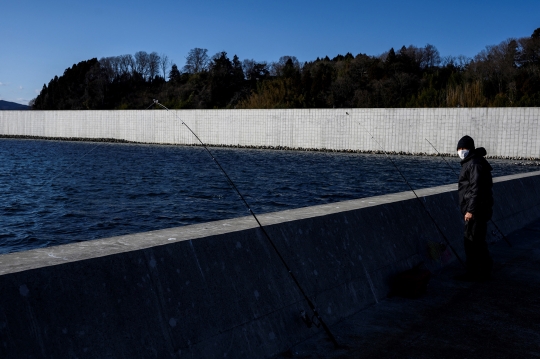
(218, 289)
(504, 132)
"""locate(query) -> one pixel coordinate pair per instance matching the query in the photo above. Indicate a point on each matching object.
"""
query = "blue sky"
(40, 39)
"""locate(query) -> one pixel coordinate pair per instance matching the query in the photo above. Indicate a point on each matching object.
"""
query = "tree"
(276, 68)
(94, 88)
(164, 64)
(196, 61)
(81, 87)
(507, 74)
(407, 60)
(222, 79)
(126, 64)
(322, 75)
(109, 66)
(495, 66)
(390, 57)
(141, 63)
(254, 70)
(153, 65)
(531, 50)
(431, 57)
(238, 72)
(174, 74)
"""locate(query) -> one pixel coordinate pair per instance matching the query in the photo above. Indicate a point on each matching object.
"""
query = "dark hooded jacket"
(475, 185)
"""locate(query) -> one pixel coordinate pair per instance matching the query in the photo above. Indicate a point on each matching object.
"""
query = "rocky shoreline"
(532, 161)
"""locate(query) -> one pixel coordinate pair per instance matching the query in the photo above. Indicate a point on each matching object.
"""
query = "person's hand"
(468, 216)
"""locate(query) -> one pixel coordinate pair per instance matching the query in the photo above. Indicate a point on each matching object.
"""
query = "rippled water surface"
(60, 192)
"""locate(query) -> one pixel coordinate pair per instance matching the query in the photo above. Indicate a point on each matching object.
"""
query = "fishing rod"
(303, 315)
(413, 191)
(491, 220)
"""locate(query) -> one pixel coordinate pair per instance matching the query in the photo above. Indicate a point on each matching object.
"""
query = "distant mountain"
(6, 105)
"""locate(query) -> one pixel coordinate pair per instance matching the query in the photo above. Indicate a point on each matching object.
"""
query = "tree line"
(507, 74)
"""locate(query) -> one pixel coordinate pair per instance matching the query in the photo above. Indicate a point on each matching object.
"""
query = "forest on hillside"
(503, 75)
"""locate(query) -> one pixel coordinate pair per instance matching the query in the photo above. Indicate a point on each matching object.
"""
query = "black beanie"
(466, 142)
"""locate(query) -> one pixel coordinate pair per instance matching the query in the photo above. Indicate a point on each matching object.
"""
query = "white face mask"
(463, 153)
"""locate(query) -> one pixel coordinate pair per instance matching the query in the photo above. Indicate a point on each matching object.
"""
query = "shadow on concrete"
(495, 319)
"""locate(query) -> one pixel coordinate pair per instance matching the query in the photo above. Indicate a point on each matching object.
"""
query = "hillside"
(6, 105)
(503, 75)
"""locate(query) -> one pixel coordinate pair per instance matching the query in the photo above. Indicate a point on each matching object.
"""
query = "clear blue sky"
(40, 39)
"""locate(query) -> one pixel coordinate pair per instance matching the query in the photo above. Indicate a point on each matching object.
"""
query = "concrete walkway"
(496, 319)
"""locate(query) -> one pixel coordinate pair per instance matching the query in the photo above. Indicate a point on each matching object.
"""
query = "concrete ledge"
(218, 289)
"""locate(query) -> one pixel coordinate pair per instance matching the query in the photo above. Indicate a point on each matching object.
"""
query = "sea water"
(54, 192)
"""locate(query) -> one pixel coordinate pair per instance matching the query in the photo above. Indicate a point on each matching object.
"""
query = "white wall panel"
(505, 132)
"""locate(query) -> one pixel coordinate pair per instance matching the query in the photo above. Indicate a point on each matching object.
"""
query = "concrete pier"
(498, 319)
(218, 289)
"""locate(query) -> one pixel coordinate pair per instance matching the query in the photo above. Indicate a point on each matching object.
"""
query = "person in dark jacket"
(476, 203)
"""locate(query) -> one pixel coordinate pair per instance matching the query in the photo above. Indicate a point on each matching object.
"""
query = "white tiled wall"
(509, 132)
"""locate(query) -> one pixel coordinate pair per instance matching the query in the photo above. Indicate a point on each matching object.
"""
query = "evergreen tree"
(507, 74)
(174, 74)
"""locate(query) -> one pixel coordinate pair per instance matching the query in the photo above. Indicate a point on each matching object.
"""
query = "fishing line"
(413, 191)
(74, 162)
(491, 220)
(233, 186)
(78, 159)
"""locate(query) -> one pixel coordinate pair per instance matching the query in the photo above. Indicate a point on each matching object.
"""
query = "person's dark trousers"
(478, 262)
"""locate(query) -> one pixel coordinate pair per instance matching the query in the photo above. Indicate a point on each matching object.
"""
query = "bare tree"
(111, 66)
(153, 65)
(126, 64)
(197, 61)
(115, 64)
(106, 64)
(164, 64)
(530, 51)
(497, 63)
(247, 67)
(461, 62)
(141, 63)
(430, 57)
